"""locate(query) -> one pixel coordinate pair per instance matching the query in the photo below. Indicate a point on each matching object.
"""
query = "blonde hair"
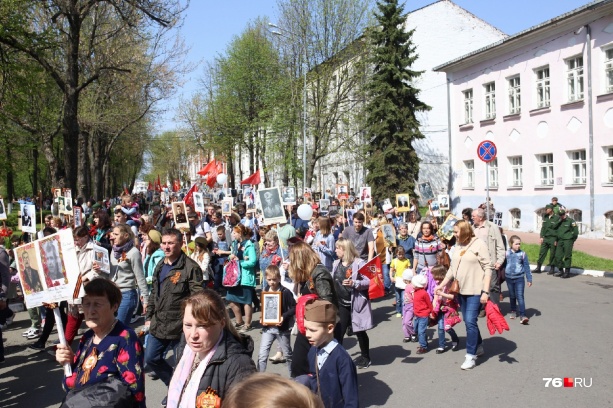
(273, 271)
(125, 198)
(302, 261)
(465, 233)
(324, 226)
(124, 229)
(350, 253)
(265, 390)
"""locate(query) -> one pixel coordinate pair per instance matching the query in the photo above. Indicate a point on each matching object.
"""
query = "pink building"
(544, 96)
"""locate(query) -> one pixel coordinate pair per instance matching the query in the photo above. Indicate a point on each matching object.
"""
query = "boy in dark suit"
(333, 374)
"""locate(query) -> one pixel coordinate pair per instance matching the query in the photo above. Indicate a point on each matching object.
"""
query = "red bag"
(300, 306)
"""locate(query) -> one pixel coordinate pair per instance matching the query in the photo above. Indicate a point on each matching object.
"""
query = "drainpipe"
(450, 181)
(588, 45)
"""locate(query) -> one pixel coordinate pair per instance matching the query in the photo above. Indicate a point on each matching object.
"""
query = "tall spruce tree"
(391, 124)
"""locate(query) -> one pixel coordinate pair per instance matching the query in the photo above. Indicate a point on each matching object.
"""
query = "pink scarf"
(182, 371)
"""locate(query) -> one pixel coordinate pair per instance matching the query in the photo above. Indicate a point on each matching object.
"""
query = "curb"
(597, 274)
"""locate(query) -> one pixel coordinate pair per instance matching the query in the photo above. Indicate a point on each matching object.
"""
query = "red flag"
(254, 179)
(206, 169)
(189, 197)
(149, 187)
(176, 186)
(158, 184)
(373, 271)
(125, 191)
(213, 176)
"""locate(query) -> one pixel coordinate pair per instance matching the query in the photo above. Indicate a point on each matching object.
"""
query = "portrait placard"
(288, 195)
(446, 230)
(271, 308)
(425, 190)
(198, 202)
(443, 202)
(389, 235)
(308, 197)
(178, 213)
(101, 256)
(324, 205)
(366, 194)
(77, 211)
(48, 269)
(342, 192)
(2, 210)
(270, 201)
(402, 202)
(226, 206)
(28, 218)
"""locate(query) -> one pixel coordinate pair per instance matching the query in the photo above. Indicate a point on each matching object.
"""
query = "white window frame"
(468, 106)
(489, 92)
(544, 168)
(543, 95)
(574, 78)
(577, 168)
(608, 154)
(517, 171)
(608, 69)
(493, 170)
(514, 84)
(469, 174)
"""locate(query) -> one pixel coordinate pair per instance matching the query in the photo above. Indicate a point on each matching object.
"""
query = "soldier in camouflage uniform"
(549, 234)
(567, 235)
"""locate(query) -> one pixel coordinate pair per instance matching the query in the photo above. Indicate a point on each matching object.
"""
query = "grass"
(581, 260)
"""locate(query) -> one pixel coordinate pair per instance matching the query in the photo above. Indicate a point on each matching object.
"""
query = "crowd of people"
(179, 281)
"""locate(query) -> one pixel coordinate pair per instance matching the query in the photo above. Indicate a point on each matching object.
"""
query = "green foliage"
(392, 126)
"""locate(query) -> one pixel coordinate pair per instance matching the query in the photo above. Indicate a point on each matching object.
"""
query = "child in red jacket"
(422, 307)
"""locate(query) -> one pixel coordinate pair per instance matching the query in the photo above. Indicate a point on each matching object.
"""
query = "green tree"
(392, 164)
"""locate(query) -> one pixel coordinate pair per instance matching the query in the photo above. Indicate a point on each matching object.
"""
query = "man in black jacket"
(174, 279)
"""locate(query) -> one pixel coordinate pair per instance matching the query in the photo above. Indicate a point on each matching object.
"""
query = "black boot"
(566, 274)
(538, 269)
(552, 270)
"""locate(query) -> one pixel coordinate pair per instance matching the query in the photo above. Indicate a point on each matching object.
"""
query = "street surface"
(569, 335)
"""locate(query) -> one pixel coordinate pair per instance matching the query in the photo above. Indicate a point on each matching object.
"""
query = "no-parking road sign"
(487, 151)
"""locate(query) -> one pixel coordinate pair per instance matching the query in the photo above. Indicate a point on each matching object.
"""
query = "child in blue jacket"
(516, 272)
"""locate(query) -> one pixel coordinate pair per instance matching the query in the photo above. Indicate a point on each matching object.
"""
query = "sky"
(210, 26)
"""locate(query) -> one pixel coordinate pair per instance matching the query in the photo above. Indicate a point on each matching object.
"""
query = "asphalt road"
(569, 335)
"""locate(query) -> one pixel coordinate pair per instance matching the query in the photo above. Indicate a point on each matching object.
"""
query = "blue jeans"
(387, 281)
(421, 324)
(399, 299)
(129, 301)
(154, 357)
(268, 337)
(516, 294)
(469, 306)
(441, 331)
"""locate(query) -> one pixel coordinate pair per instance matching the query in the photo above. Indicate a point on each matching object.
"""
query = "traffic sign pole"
(487, 189)
(487, 152)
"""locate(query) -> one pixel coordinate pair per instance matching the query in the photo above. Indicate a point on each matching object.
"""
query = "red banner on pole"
(373, 271)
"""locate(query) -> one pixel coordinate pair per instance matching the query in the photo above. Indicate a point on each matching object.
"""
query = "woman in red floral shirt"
(109, 352)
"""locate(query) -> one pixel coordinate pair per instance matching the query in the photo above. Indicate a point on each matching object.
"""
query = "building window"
(469, 174)
(490, 100)
(609, 160)
(542, 87)
(578, 166)
(514, 96)
(608, 69)
(575, 79)
(493, 165)
(516, 171)
(545, 169)
(468, 106)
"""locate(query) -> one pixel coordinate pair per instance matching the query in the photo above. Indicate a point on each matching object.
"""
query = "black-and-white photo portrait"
(28, 218)
(198, 202)
(443, 202)
(270, 200)
(389, 234)
(289, 195)
(271, 308)
(50, 255)
(425, 189)
(402, 202)
(2, 210)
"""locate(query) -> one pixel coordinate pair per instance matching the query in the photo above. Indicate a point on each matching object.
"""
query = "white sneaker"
(469, 363)
(27, 332)
(34, 334)
(480, 350)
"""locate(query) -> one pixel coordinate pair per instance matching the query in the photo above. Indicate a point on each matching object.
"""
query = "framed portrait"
(402, 202)
(446, 230)
(342, 191)
(179, 215)
(2, 210)
(67, 193)
(198, 202)
(29, 269)
(316, 196)
(270, 202)
(350, 213)
(61, 205)
(333, 208)
(307, 196)
(77, 211)
(57, 192)
(101, 256)
(443, 202)
(28, 218)
(324, 205)
(271, 308)
(435, 209)
(498, 219)
(226, 206)
(389, 234)
(425, 190)
(365, 194)
(387, 205)
(288, 195)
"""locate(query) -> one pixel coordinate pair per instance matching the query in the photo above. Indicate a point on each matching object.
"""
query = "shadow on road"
(373, 392)
(600, 285)
(498, 347)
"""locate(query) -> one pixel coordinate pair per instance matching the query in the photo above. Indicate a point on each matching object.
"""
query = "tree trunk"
(10, 176)
(82, 179)
(51, 157)
(35, 171)
(263, 158)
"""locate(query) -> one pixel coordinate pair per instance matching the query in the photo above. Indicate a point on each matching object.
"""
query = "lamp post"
(304, 102)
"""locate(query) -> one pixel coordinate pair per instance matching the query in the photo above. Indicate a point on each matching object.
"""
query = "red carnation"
(129, 377)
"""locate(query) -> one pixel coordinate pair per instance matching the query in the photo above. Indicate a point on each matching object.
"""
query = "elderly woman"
(310, 277)
(471, 266)
(243, 250)
(413, 226)
(426, 247)
(212, 354)
(108, 363)
(353, 304)
(127, 271)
